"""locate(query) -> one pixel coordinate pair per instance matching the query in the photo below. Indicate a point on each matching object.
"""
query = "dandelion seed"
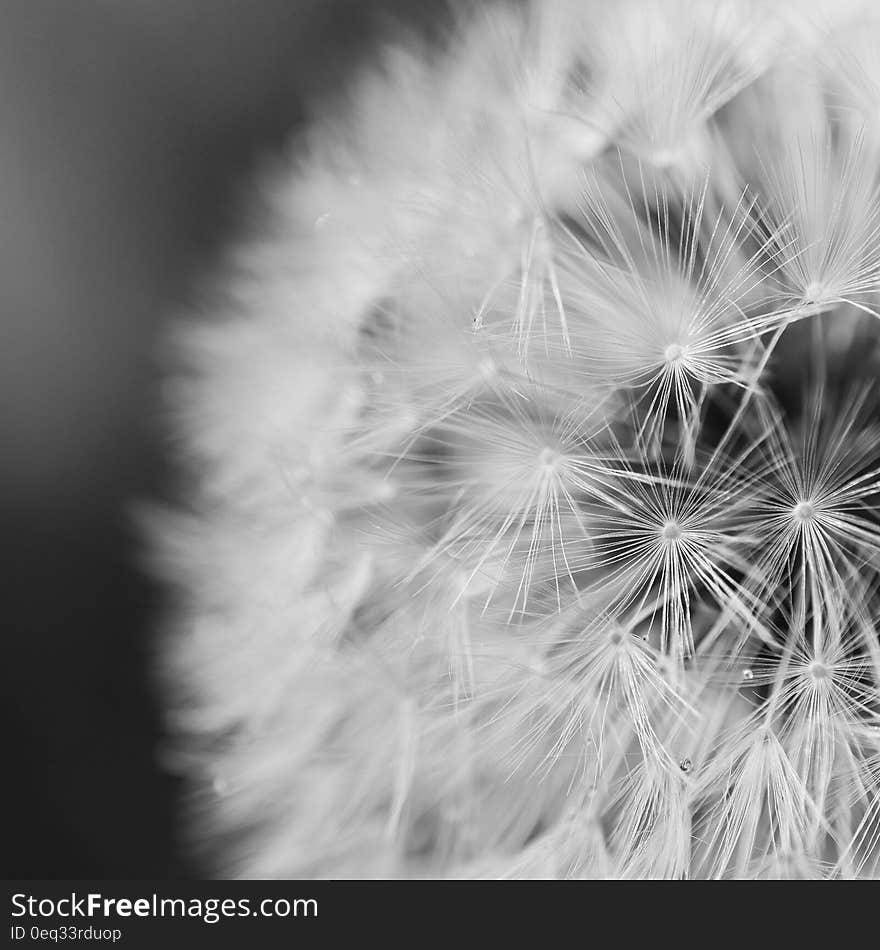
(756, 805)
(650, 824)
(598, 691)
(853, 64)
(517, 472)
(669, 536)
(813, 514)
(661, 315)
(823, 199)
(655, 84)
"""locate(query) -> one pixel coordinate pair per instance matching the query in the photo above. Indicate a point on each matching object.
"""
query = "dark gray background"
(129, 130)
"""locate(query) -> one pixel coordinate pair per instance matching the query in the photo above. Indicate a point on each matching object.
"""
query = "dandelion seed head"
(535, 515)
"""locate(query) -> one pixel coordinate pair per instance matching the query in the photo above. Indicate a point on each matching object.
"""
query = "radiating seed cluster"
(536, 463)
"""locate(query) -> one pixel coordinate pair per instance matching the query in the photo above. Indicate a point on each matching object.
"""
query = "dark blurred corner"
(128, 129)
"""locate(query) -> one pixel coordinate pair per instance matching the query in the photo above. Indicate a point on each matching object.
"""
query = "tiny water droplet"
(748, 675)
(685, 765)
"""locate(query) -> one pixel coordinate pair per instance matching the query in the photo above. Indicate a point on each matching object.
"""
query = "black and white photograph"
(440, 441)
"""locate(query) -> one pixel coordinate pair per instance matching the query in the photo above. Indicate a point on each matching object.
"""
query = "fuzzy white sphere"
(510, 552)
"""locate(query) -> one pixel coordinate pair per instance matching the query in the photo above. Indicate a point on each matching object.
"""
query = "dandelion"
(533, 469)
